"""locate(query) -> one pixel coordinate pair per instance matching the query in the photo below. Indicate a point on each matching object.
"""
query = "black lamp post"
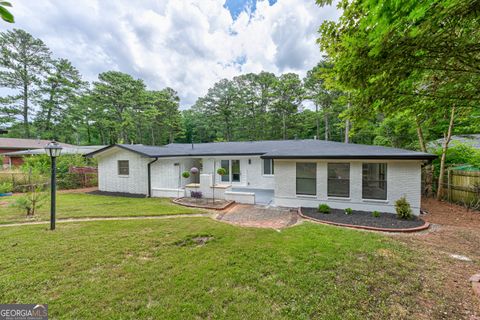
(53, 149)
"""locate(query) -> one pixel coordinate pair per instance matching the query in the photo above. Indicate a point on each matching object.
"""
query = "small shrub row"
(402, 207)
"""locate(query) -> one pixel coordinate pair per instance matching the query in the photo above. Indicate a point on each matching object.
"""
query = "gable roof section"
(17, 143)
(279, 149)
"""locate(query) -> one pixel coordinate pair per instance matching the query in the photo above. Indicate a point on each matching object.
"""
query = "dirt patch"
(194, 241)
(204, 203)
(447, 292)
(445, 213)
(82, 190)
(260, 216)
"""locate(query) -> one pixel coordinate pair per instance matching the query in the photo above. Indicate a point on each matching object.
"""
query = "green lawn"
(149, 269)
(77, 205)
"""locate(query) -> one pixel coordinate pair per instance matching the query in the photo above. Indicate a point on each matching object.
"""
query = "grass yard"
(151, 269)
(81, 205)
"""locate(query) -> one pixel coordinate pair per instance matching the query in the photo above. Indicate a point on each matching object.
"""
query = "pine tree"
(23, 59)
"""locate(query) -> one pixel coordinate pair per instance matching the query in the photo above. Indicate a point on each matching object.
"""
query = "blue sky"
(187, 45)
(237, 6)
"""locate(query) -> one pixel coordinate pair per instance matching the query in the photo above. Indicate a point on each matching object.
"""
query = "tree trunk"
(347, 125)
(26, 129)
(327, 125)
(428, 191)
(50, 108)
(89, 137)
(152, 134)
(316, 121)
(447, 138)
(347, 131)
(421, 139)
(284, 127)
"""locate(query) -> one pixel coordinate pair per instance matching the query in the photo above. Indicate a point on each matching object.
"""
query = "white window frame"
(118, 168)
(348, 179)
(272, 168)
(307, 195)
(230, 173)
(386, 183)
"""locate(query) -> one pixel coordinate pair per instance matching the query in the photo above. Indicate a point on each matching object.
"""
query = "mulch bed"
(387, 221)
(117, 194)
(203, 203)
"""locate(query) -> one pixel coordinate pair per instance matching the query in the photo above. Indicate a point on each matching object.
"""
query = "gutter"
(150, 177)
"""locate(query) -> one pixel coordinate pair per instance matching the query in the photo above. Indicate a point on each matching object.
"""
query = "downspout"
(150, 177)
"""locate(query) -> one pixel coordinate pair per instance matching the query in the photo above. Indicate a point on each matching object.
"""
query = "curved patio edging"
(227, 205)
(425, 226)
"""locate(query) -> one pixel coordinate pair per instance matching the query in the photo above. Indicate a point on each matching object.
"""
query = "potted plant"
(194, 171)
(221, 172)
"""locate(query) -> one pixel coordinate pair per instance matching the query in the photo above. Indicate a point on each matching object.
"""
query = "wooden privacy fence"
(463, 187)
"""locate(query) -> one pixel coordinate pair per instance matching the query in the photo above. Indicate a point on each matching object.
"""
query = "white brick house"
(289, 173)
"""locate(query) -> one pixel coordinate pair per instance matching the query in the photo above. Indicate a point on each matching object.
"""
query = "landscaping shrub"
(196, 194)
(70, 181)
(6, 187)
(324, 208)
(40, 164)
(348, 211)
(404, 211)
(376, 214)
(186, 174)
(32, 200)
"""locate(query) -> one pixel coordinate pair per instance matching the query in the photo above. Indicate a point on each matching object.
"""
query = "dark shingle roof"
(279, 149)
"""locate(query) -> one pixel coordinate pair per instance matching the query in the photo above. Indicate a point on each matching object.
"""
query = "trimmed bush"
(324, 208)
(186, 174)
(404, 211)
(376, 214)
(221, 171)
(348, 211)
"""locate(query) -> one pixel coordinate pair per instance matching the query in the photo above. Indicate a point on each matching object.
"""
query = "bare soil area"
(450, 251)
(260, 216)
(217, 204)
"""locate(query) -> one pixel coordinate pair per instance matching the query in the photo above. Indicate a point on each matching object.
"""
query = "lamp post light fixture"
(53, 150)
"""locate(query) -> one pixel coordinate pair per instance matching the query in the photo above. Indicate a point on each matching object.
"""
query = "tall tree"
(57, 92)
(116, 95)
(220, 104)
(320, 95)
(418, 56)
(288, 97)
(162, 116)
(23, 60)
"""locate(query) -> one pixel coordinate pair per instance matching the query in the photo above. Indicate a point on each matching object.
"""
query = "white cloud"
(185, 44)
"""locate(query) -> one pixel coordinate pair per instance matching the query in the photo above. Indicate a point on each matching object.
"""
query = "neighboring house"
(16, 158)
(8, 145)
(468, 139)
(289, 173)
